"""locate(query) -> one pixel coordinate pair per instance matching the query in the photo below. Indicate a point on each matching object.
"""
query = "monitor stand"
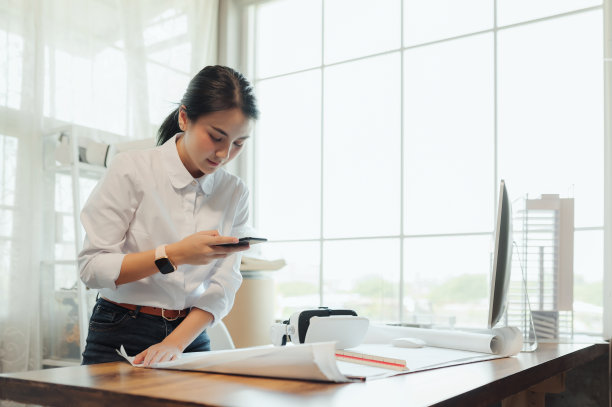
(530, 338)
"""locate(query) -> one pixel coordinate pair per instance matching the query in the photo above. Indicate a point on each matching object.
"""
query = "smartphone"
(245, 240)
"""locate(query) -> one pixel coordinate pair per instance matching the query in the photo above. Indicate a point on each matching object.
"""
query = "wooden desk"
(119, 384)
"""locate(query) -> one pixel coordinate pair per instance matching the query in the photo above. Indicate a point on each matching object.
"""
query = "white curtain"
(105, 65)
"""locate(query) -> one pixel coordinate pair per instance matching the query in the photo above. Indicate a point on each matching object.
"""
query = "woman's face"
(212, 140)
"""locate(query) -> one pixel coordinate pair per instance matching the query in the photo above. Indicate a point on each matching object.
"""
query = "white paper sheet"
(444, 348)
(316, 361)
(417, 359)
(313, 361)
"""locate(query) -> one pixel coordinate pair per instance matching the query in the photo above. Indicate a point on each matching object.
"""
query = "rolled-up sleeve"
(106, 217)
(218, 298)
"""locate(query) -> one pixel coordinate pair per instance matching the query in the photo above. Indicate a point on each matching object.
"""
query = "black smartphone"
(245, 240)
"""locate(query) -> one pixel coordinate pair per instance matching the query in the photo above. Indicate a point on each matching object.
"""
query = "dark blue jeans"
(111, 326)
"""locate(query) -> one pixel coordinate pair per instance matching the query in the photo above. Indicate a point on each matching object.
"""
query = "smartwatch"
(162, 261)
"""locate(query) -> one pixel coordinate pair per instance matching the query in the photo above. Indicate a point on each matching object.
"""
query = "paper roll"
(500, 341)
(252, 315)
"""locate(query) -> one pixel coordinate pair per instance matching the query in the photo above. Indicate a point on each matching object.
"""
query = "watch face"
(164, 265)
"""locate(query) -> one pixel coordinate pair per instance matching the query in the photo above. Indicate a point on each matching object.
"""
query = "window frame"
(244, 47)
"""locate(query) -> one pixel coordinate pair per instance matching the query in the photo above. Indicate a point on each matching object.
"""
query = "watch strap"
(160, 252)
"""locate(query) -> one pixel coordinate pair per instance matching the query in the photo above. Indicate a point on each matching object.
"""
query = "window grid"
(493, 30)
(322, 147)
(607, 248)
(323, 66)
(403, 190)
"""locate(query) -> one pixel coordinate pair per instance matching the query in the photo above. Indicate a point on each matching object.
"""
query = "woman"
(155, 222)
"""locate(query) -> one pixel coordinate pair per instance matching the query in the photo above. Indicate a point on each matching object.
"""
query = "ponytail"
(213, 89)
(168, 128)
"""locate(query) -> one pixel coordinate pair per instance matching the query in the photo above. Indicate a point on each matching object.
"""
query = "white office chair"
(220, 337)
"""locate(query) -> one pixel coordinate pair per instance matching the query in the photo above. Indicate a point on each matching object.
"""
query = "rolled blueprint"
(504, 341)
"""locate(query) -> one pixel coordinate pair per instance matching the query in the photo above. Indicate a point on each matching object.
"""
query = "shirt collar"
(178, 174)
(207, 182)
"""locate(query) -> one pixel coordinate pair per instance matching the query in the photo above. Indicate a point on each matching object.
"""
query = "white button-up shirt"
(148, 198)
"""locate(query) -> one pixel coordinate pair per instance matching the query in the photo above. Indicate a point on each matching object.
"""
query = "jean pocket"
(106, 318)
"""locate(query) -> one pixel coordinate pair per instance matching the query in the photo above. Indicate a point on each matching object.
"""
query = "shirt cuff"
(214, 301)
(103, 270)
(219, 300)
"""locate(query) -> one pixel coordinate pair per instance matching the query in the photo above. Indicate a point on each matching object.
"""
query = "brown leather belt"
(168, 314)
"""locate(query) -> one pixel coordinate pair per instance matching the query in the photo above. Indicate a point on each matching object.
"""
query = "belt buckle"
(170, 319)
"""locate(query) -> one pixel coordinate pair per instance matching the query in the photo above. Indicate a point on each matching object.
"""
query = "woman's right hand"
(202, 248)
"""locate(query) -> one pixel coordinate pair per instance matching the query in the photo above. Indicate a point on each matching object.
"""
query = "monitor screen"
(502, 258)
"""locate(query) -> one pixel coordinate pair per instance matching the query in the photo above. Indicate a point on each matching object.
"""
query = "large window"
(386, 126)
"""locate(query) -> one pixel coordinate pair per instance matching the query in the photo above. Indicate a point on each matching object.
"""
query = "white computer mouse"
(408, 342)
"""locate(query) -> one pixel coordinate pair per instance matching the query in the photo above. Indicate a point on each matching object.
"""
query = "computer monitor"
(502, 258)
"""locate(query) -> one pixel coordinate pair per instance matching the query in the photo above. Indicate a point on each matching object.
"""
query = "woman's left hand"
(160, 352)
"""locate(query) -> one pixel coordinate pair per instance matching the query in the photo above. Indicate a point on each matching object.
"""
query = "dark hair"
(213, 89)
